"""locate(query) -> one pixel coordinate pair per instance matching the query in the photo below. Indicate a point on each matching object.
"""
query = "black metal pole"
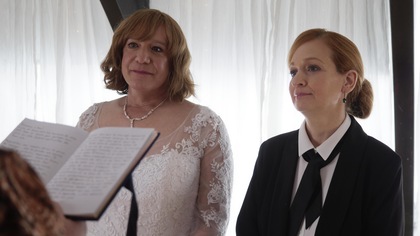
(402, 28)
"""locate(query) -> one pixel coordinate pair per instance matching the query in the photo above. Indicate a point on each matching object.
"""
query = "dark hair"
(143, 24)
(345, 56)
(25, 206)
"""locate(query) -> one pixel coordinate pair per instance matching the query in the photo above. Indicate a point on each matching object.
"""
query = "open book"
(82, 171)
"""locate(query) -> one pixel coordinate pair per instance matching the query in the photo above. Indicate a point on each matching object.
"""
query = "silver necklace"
(139, 118)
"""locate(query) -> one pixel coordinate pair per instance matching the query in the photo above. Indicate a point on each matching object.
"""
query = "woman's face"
(145, 64)
(316, 86)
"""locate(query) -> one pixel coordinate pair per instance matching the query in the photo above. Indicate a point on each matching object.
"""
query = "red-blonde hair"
(345, 56)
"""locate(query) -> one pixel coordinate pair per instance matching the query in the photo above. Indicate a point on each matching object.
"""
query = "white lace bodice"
(182, 186)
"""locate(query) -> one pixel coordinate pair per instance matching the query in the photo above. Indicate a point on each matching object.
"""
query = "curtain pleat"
(50, 53)
(416, 212)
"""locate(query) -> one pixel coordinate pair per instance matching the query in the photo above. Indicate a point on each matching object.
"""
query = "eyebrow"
(309, 59)
(152, 40)
(161, 42)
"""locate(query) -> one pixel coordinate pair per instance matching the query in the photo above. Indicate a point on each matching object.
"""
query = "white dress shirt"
(325, 149)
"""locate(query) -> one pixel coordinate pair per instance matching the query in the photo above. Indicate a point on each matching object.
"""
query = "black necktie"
(308, 198)
(132, 218)
(314, 207)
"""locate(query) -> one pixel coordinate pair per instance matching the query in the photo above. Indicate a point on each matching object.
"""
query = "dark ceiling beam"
(117, 10)
(402, 31)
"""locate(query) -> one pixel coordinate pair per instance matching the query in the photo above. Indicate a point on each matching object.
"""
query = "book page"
(96, 168)
(46, 146)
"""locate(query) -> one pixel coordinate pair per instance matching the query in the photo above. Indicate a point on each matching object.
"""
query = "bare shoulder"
(112, 113)
(113, 105)
(188, 105)
(176, 111)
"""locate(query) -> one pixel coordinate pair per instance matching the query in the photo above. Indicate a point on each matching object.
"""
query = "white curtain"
(416, 116)
(50, 51)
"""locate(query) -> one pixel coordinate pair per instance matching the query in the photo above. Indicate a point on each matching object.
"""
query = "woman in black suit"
(355, 181)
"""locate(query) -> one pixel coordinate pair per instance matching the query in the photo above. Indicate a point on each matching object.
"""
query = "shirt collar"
(328, 145)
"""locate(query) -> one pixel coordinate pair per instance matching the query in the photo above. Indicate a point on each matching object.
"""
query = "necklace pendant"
(139, 118)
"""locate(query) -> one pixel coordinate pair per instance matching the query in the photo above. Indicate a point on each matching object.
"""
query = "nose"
(143, 56)
(298, 80)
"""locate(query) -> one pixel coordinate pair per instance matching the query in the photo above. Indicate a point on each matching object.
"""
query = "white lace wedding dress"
(182, 186)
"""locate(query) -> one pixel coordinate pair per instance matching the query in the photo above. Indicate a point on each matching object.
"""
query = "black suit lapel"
(279, 213)
(343, 182)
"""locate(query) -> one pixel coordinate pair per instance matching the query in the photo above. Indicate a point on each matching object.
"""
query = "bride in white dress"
(183, 185)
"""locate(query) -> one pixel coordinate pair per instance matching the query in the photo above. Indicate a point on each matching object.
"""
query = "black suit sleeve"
(266, 204)
(247, 222)
(385, 203)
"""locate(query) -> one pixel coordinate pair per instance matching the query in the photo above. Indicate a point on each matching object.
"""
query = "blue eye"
(313, 68)
(132, 45)
(293, 73)
(157, 49)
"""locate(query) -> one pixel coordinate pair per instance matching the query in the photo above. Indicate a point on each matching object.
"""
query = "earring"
(344, 100)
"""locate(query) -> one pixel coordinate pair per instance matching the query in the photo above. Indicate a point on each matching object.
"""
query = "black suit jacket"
(365, 196)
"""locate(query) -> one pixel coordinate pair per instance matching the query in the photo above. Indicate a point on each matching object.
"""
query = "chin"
(299, 107)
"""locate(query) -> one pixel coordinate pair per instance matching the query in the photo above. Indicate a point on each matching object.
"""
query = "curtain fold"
(50, 56)
(416, 212)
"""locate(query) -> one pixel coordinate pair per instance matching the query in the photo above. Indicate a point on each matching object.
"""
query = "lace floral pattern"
(87, 119)
(184, 184)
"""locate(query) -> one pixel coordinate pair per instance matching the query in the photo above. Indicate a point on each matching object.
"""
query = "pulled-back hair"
(142, 25)
(345, 56)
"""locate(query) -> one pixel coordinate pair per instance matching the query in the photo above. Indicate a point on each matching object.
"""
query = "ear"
(350, 81)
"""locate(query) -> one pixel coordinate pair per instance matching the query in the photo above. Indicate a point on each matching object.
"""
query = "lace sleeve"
(213, 200)
(87, 118)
